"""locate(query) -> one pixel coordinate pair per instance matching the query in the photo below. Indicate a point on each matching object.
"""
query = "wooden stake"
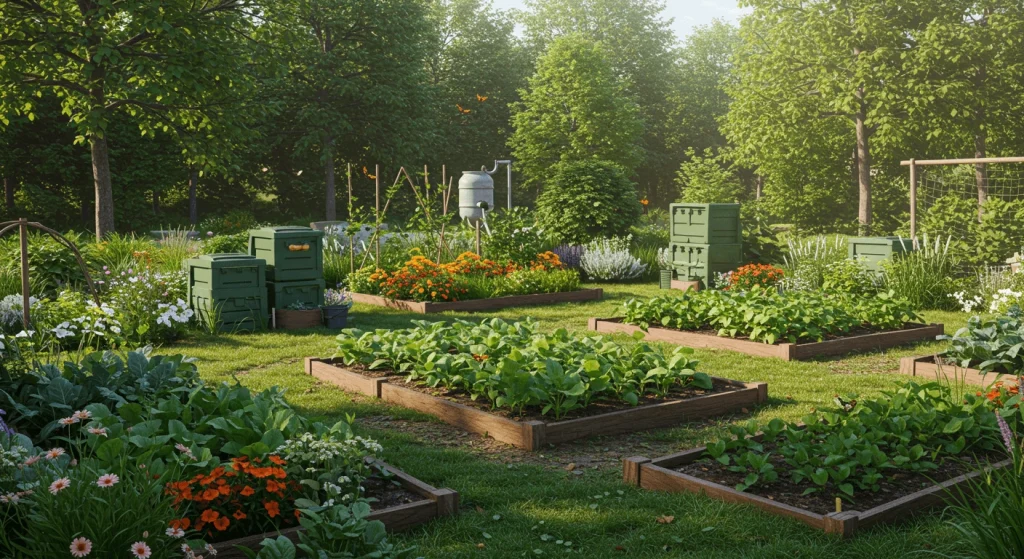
(25, 298)
(376, 233)
(478, 251)
(351, 238)
(839, 505)
(913, 201)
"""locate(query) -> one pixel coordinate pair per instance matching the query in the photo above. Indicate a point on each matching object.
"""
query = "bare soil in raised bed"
(597, 407)
(387, 493)
(895, 484)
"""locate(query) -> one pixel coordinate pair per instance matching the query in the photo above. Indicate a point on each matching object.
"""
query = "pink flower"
(54, 453)
(98, 431)
(82, 415)
(32, 460)
(108, 480)
(68, 421)
(175, 533)
(60, 485)
(141, 550)
(80, 547)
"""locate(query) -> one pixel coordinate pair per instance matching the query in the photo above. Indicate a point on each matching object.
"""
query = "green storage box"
(284, 293)
(691, 254)
(235, 310)
(292, 253)
(225, 273)
(706, 224)
(871, 251)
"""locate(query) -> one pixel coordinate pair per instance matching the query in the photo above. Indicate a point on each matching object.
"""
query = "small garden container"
(336, 317)
(235, 310)
(225, 273)
(665, 279)
(288, 319)
(873, 250)
(291, 253)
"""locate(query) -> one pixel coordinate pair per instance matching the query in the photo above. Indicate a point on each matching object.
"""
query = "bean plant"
(515, 367)
(854, 446)
(769, 316)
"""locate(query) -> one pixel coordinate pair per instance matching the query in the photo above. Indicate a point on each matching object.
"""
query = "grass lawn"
(569, 499)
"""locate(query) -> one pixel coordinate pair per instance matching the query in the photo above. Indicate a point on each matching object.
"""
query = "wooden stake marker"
(436, 503)
(785, 351)
(429, 307)
(533, 435)
(928, 367)
(660, 475)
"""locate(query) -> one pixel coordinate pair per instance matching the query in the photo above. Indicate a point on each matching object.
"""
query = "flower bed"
(184, 463)
(469, 283)
(506, 380)
(765, 323)
(890, 457)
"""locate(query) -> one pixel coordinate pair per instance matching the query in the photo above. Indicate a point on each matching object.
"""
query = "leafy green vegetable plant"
(515, 367)
(991, 345)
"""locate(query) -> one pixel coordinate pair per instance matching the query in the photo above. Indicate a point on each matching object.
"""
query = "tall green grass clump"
(807, 261)
(926, 276)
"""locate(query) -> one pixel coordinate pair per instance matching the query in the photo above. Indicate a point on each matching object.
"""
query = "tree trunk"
(332, 213)
(9, 187)
(104, 190)
(863, 170)
(156, 203)
(980, 171)
(758, 187)
(193, 206)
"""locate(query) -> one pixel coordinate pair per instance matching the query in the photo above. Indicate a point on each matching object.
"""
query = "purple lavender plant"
(1004, 430)
(570, 255)
(4, 427)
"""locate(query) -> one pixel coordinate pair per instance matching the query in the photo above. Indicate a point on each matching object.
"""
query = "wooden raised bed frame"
(928, 367)
(660, 475)
(429, 307)
(533, 435)
(784, 351)
(434, 504)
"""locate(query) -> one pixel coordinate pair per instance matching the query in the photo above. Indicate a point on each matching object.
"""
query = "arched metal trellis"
(23, 225)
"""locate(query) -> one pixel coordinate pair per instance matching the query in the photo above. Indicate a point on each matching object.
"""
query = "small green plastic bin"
(237, 310)
(291, 253)
(706, 224)
(225, 273)
(872, 251)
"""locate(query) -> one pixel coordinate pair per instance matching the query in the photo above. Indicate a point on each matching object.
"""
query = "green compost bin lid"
(285, 232)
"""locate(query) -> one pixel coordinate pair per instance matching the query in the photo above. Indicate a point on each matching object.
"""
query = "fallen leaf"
(666, 519)
(479, 509)
(480, 546)
(619, 548)
(570, 467)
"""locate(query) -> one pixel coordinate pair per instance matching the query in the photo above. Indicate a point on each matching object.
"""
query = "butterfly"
(463, 111)
(367, 173)
(481, 98)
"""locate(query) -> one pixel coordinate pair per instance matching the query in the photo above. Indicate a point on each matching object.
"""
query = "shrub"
(52, 265)
(151, 307)
(571, 256)
(234, 222)
(753, 276)
(230, 243)
(849, 276)
(585, 200)
(610, 260)
(512, 237)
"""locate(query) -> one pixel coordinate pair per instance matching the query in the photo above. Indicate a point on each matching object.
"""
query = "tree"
(479, 66)
(641, 48)
(708, 179)
(837, 60)
(574, 110)
(151, 60)
(585, 200)
(354, 87)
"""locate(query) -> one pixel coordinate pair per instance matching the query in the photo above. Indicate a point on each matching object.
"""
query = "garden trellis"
(963, 181)
(23, 226)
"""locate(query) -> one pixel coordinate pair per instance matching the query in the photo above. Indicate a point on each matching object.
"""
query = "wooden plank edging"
(658, 475)
(436, 503)
(533, 435)
(473, 305)
(784, 351)
(927, 367)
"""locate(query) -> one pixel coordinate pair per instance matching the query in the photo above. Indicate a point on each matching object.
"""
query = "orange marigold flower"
(247, 491)
(210, 494)
(180, 523)
(277, 460)
(221, 523)
(273, 508)
(209, 515)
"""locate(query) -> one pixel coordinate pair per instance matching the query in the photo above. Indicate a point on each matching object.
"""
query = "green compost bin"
(707, 224)
(285, 293)
(224, 272)
(871, 251)
(691, 254)
(292, 253)
(236, 310)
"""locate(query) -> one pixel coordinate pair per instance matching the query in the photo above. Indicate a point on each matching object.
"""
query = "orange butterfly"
(368, 175)
(463, 111)
(481, 98)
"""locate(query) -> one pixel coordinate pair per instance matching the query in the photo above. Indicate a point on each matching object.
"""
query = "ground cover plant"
(769, 316)
(515, 366)
(856, 447)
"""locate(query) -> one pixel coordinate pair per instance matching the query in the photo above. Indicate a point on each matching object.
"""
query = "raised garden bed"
(413, 504)
(786, 351)
(931, 367)
(663, 474)
(473, 305)
(532, 434)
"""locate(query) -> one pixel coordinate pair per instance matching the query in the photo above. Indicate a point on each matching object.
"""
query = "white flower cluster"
(1003, 299)
(13, 458)
(178, 312)
(11, 310)
(312, 450)
(967, 303)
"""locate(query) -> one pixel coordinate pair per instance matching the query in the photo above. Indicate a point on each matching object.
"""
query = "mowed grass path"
(519, 505)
